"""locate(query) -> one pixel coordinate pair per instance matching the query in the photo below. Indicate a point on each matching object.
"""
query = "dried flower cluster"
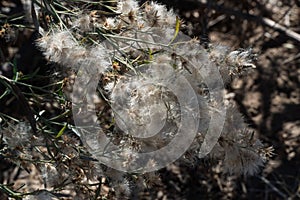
(142, 59)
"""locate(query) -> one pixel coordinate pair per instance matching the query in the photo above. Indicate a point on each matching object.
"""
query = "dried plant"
(144, 68)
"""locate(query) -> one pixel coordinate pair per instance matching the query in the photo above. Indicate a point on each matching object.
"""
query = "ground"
(269, 97)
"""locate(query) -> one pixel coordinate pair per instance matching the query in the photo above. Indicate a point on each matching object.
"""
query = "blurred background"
(269, 98)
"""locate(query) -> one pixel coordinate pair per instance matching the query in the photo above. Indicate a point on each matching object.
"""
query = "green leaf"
(177, 29)
(61, 131)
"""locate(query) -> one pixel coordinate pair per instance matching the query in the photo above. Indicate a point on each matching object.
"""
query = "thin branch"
(280, 28)
(262, 20)
(18, 93)
(274, 188)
